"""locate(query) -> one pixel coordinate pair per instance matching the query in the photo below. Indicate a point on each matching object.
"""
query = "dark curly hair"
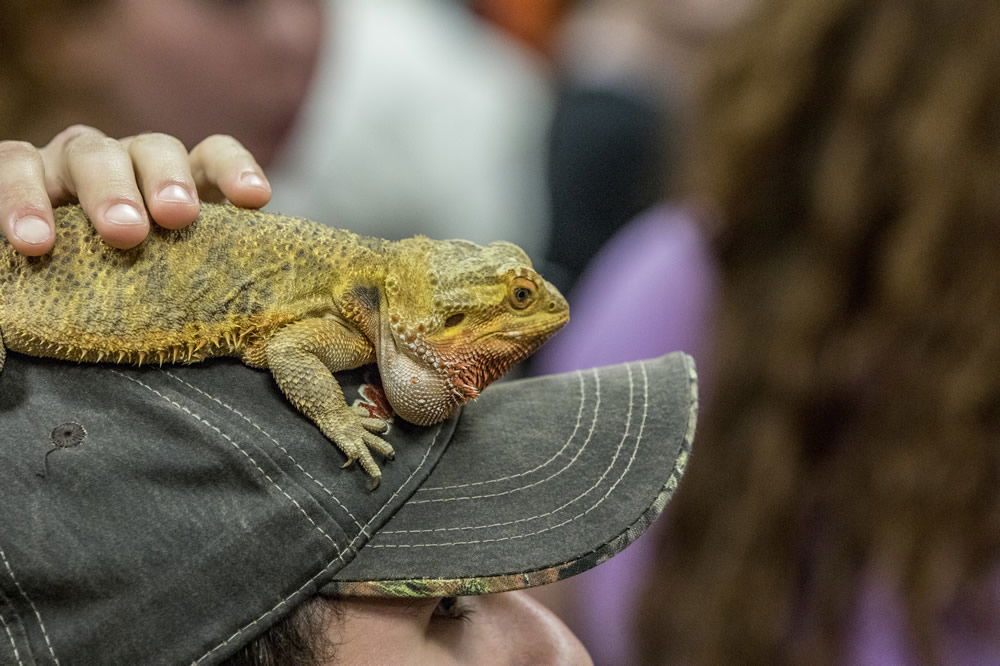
(852, 151)
(300, 638)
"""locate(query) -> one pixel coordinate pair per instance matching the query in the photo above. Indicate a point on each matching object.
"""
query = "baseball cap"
(165, 515)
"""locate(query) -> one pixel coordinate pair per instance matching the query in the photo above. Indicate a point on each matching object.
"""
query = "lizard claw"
(352, 436)
(378, 445)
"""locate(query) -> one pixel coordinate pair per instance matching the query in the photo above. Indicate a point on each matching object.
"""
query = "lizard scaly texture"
(442, 319)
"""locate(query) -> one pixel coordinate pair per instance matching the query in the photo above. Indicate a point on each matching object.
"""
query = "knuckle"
(221, 138)
(79, 128)
(87, 143)
(18, 150)
(222, 142)
(72, 133)
(155, 140)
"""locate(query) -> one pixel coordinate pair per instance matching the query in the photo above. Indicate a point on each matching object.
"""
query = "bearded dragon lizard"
(442, 319)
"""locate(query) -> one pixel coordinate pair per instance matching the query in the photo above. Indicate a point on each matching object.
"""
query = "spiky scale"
(221, 287)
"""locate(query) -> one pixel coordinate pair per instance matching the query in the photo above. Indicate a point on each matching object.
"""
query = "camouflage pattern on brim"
(185, 510)
(444, 587)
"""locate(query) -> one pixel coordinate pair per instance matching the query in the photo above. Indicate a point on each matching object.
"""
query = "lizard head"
(455, 317)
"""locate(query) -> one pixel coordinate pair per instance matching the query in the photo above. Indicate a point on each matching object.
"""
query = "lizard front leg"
(303, 357)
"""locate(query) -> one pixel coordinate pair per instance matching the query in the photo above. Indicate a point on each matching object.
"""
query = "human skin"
(502, 628)
(117, 181)
(191, 68)
(506, 628)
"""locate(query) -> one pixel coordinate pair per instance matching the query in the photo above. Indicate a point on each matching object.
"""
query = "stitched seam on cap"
(339, 557)
(635, 449)
(239, 448)
(569, 463)
(34, 609)
(276, 443)
(473, 585)
(10, 637)
(579, 416)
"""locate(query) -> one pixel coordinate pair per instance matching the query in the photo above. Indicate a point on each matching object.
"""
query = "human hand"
(121, 184)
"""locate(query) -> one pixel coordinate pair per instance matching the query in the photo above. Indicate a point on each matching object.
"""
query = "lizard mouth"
(426, 382)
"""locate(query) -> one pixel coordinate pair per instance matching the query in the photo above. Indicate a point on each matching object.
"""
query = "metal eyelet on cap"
(63, 436)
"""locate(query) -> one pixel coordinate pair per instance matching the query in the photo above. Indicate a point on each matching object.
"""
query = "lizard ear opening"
(454, 320)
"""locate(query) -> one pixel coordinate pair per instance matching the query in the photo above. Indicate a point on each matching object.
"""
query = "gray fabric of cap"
(171, 515)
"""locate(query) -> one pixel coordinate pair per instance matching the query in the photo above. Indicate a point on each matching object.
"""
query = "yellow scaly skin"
(442, 319)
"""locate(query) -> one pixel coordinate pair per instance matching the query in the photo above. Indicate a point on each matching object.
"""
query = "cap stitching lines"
(569, 463)
(34, 609)
(589, 509)
(276, 443)
(579, 415)
(474, 584)
(238, 448)
(635, 449)
(10, 637)
(340, 556)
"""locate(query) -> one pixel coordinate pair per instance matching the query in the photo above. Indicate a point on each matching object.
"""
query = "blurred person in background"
(844, 507)
(534, 23)
(390, 118)
(187, 69)
(648, 276)
(425, 119)
(190, 69)
(626, 70)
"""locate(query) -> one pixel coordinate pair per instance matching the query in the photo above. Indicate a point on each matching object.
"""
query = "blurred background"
(804, 195)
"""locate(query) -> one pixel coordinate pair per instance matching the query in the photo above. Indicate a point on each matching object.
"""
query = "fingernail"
(32, 229)
(253, 179)
(124, 214)
(175, 194)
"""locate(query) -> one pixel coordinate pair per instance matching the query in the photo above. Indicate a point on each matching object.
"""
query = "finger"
(223, 168)
(163, 173)
(54, 158)
(25, 211)
(98, 171)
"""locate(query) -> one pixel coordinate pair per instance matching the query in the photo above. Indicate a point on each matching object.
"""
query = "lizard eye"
(454, 320)
(522, 293)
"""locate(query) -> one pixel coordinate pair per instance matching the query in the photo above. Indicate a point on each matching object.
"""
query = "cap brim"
(543, 479)
(171, 515)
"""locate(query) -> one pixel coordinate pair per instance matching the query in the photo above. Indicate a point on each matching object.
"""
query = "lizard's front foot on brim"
(350, 432)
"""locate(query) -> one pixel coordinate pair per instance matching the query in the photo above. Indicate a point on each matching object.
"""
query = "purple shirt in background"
(648, 292)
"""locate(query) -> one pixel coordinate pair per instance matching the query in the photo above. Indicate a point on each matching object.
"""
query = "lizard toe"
(369, 465)
(379, 445)
(375, 425)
